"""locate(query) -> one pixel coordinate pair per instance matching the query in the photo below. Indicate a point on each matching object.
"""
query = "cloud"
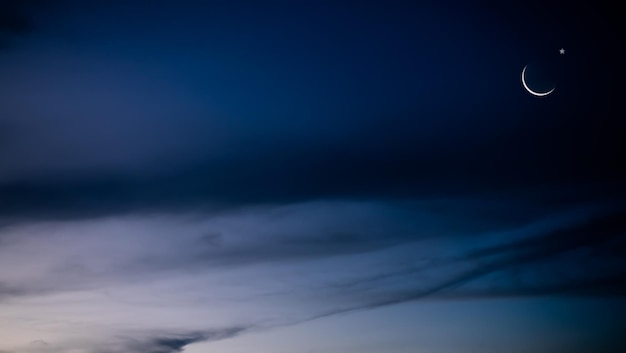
(40, 343)
(113, 250)
(172, 343)
(94, 253)
(585, 258)
(154, 342)
(292, 263)
(8, 291)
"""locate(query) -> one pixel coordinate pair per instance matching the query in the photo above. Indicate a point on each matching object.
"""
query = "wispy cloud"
(584, 258)
(146, 342)
(172, 343)
(184, 272)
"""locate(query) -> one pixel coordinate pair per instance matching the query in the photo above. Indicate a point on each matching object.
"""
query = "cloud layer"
(191, 273)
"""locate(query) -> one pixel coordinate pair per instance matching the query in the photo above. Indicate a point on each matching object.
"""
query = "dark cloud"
(296, 232)
(160, 345)
(223, 187)
(294, 249)
(151, 343)
(173, 343)
(9, 291)
(39, 343)
(596, 233)
(588, 258)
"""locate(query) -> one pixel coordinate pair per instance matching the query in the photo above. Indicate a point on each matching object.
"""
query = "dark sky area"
(299, 132)
(299, 100)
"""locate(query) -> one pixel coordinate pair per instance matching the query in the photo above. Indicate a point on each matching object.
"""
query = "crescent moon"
(538, 94)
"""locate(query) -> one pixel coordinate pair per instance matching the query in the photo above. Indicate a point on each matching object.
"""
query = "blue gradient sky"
(309, 177)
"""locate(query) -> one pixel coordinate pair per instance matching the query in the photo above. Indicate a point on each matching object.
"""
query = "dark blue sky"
(305, 99)
(320, 136)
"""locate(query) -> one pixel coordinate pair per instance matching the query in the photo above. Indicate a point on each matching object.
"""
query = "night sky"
(311, 177)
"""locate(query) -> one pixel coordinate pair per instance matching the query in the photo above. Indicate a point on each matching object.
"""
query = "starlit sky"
(311, 177)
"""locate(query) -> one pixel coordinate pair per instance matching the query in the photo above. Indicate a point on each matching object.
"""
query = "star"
(561, 51)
